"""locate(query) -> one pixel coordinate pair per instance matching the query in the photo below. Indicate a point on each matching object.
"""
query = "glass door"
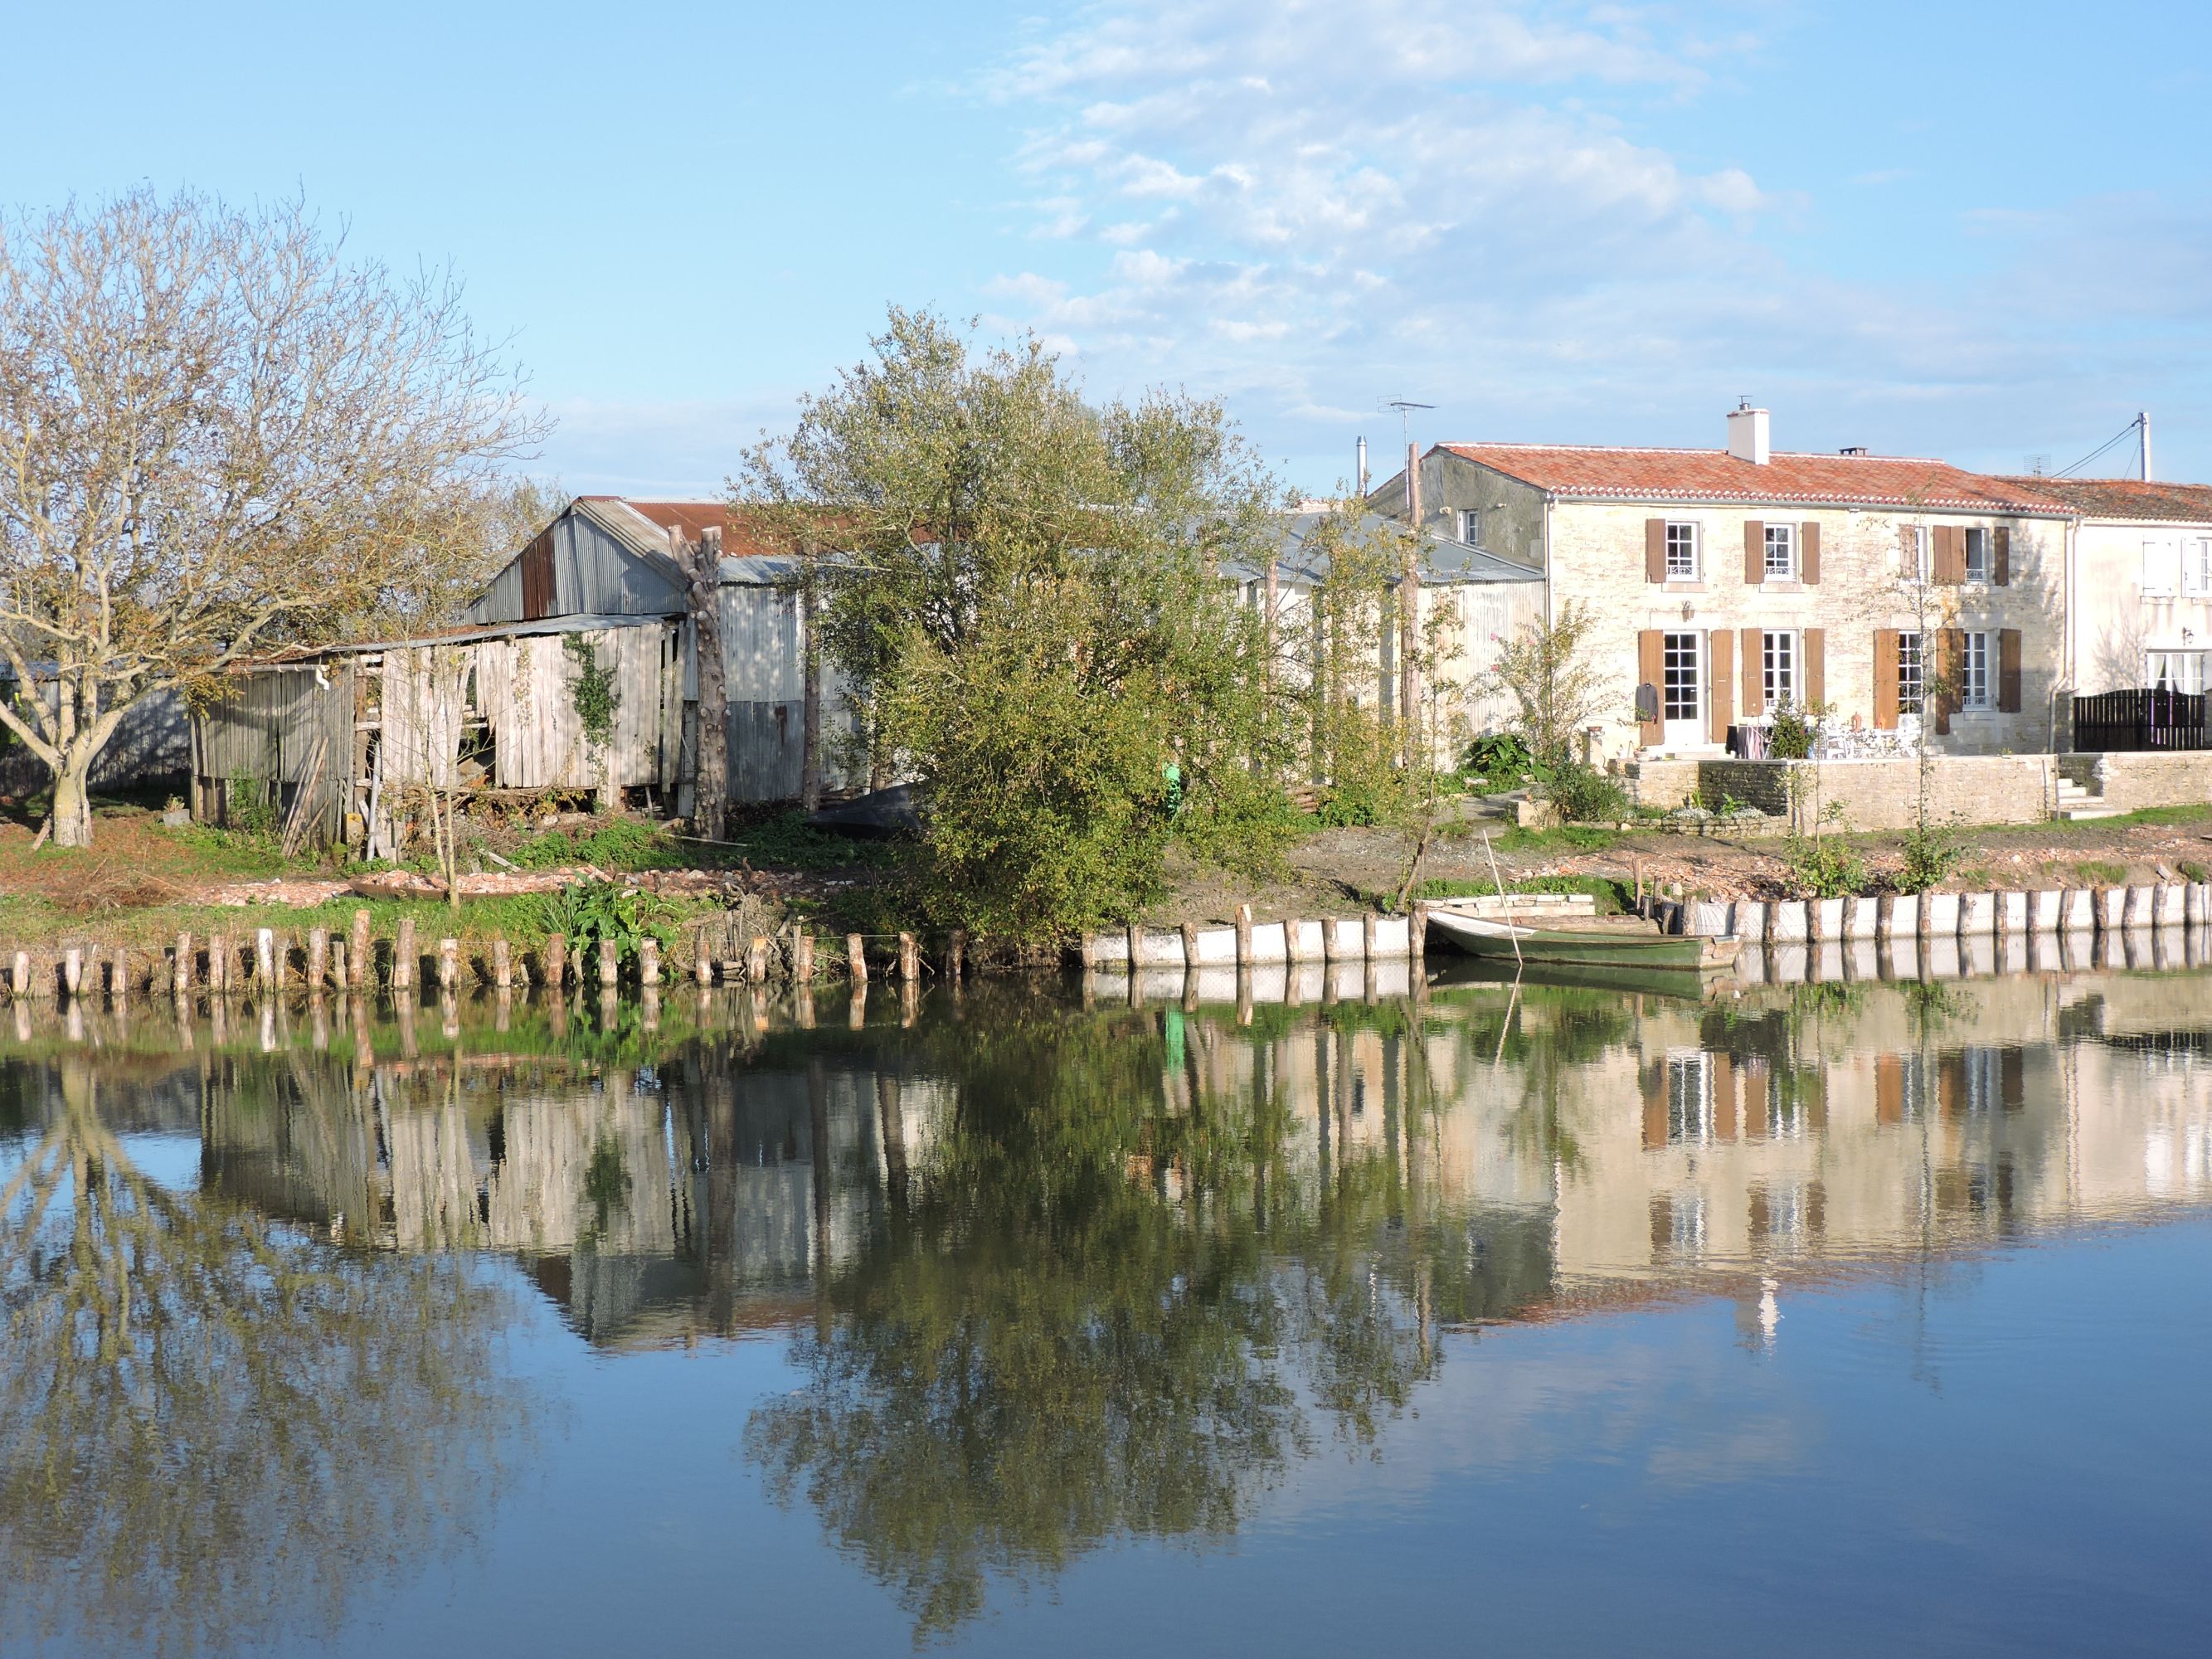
(1681, 699)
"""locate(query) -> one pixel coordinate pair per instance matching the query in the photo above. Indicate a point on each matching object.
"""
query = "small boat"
(1585, 942)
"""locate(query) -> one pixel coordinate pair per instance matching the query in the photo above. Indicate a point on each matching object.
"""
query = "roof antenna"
(1405, 406)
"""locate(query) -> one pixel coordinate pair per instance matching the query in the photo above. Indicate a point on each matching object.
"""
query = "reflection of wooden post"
(817, 1126)
(893, 1125)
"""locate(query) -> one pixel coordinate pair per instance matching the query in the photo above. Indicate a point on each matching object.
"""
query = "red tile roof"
(1714, 475)
(2127, 498)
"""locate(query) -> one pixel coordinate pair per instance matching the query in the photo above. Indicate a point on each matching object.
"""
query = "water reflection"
(1048, 1277)
(212, 1428)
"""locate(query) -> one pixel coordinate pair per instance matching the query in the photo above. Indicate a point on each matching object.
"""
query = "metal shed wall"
(594, 574)
(263, 726)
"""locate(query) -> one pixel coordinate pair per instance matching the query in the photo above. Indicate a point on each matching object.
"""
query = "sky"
(1981, 231)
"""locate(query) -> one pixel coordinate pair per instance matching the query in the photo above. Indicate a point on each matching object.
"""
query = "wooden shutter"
(1950, 556)
(1724, 1075)
(1721, 703)
(1808, 552)
(2001, 576)
(1754, 551)
(1812, 672)
(1949, 650)
(1655, 550)
(1885, 679)
(1908, 552)
(1889, 1088)
(1755, 673)
(2009, 672)
(2012, 1080)
(1651, 1082)
(1651, 670)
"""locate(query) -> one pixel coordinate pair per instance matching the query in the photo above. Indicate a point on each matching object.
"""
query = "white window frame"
(2158, 571)
(1987, 541)
(1470, 526)
(1783, 536)
(1696, 542)
(1923, 568)
(2196, 567)
(1791, 681)
(1975, 673)
(2184, 671)
(1914, 700)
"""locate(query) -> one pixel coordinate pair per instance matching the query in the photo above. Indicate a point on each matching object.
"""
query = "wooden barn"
(609, 556)
(349, 742)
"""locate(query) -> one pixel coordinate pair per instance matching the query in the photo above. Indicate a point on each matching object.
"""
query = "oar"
(1504, 903)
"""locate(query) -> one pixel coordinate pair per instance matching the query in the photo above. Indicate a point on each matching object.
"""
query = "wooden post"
(703, 962)
(180, 979)
(1294, 939)
(264, 955)
(73, 970)
(218, 964)
(502, 964)
(555, 962)
(1367, 937)
(341, 969)
(703, 569)
(802, 957)
(18, 980)
(909, 959)
(1244, 939)
(610, 965)
(402, 956)
(649, 961)
(1136, 948)
(856, 960)
(757, 959)
(956, 955)
(1416, 932)
(1190, 948)
(449, 963)
(577, 964)
(359, 960)
(319, 957)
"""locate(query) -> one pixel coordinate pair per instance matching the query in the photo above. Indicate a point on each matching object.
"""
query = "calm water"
(1821, 1319)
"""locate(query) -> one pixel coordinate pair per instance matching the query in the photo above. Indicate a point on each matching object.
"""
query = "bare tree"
(216, 433)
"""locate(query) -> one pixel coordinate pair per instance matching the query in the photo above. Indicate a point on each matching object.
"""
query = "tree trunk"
(72, 809)
(809, 761)
(713, 786)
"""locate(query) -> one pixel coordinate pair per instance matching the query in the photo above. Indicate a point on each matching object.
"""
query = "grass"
(2101, 872)
(1612, 897)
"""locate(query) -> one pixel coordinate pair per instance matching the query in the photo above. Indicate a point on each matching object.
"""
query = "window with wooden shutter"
(1754, 684)
(2009, 672)
(1754, 551)
(1655, 550)
(1948, 655)
(2002, 577)
(1808, 552)
(1950, 559)
(1650, 669)
(1721, 704)
(1814, 641)
(1885, 679)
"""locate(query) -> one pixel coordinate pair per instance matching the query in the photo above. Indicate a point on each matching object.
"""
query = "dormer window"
(1470, 526)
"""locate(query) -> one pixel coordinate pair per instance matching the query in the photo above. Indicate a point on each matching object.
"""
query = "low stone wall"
(1664, 783)
(2128, 783)
(1884, 795)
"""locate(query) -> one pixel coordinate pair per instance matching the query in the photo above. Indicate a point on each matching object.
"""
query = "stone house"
(1728, 582)
(2139, 565)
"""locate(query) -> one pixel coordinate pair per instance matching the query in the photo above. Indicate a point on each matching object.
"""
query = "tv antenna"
(1405, 406)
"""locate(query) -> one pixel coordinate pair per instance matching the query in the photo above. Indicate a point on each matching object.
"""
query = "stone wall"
(1884, 795)
(1665, 784)
(2129, 782)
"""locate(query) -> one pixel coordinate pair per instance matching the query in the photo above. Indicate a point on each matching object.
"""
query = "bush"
(1348, 806)
(1500, 758)
(1793, 733)
(1824, 866)
(1585, 795)
(1932, 852)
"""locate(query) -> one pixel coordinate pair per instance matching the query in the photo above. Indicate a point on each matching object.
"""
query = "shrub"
(1932, 852)
(1824, 866)
(1583, 794)
(1792, 736)
(250, 806)
(1348, 806)
(1501, 757)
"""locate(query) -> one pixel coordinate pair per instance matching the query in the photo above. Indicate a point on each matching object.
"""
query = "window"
(1681, 552)
(1678, 695)
(1689, 1098)
(1914, 553)
(1780, 552)
(1981, 557)
(2197, 568)
(1470, 526)
(2158, 570)
(2175, 671)
(1781, 669)
(1973, 671)
(1908, 680)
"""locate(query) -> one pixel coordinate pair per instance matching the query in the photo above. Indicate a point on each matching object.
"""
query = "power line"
(2124, 432)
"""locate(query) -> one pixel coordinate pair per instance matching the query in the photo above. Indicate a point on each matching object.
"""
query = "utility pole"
(2142, 426)
(711, 787)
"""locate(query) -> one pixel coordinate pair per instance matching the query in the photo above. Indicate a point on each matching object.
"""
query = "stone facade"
(2129, 783)
(1884, 795)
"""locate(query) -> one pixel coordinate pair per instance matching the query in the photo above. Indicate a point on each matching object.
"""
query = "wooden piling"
(1190, 947)
(359, 960)
(73, 970)
(1136, 949)
(264, 955)
(856, 960)
(502, 964)
(757, 959)
(402, 956)
(555, 960)
(449, 963)
(909, 959)
(702, 960)
(318, 956)
(181, 980)
(1416, 932)
(218, 964)
(1294, 939)
(342, 968)
(1367, 939)
(956, 955)
(610, 965)
(649, 961)
(1244, 939)
(802, 957)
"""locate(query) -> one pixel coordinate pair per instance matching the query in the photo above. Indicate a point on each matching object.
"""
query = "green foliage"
(1584, 794)
(2192, 870)
(595, 695)
(1556, 681)
(1348, 806)
(786, 841)
(1500, 757)
(1824, 866)
(1933, 852)
(2100, 872)
(1612, 896)
(587, 912)
(250, 806)
(622, 844)
(1794, 728)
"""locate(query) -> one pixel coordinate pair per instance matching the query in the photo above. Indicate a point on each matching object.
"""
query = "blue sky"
(1981, 232)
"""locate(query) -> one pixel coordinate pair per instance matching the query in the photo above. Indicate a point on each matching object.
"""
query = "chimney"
(1746, 429)
(1363, 469)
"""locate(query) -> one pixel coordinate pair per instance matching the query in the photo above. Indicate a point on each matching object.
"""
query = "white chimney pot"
(1746, 436)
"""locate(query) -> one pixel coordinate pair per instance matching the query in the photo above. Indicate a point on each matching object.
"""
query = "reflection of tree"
(1044, 1349)
(206, 1421)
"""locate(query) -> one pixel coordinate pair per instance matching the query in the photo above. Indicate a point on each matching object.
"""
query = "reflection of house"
(2141, 578)
(1727, 582)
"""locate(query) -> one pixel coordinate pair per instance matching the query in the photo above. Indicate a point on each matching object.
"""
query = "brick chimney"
(1746, 430)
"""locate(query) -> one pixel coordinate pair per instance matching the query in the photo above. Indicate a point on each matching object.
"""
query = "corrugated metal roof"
(1301, 565)
(460, 634)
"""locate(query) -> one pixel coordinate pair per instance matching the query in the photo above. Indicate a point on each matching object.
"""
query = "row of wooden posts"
(341, 961)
